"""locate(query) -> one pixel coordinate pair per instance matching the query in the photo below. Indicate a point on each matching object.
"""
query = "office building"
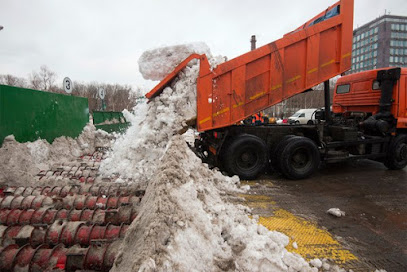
(380, 43)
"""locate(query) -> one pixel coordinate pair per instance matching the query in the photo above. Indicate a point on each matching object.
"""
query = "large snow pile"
(185, 225)
(135, 155)
(157, 63)
(20, 162)
(185, 221)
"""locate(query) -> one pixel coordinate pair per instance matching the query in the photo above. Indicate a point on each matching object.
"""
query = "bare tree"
(43, 80)
(13, 81)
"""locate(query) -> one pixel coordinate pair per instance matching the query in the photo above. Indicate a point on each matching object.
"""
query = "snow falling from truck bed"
(151, 63)
(185, 221)
(135, 156)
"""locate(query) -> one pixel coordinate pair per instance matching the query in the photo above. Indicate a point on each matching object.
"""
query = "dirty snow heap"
(185, 221)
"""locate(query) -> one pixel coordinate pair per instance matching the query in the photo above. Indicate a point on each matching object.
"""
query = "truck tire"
(397, 153)
(245, 156)
(275, 154)
(310, 122)
(299, 158)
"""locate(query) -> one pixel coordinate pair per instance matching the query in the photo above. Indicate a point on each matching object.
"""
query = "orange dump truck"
(311, 54)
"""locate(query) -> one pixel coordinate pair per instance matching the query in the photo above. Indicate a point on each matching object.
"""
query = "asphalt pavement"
(374, 199)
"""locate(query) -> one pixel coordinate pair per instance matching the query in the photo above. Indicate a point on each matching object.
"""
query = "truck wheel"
(246, 156)
(299, 158)
(310, 122)
(275, 155)
(397, 153)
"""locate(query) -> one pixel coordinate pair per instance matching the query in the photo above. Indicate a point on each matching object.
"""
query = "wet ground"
(373, 198)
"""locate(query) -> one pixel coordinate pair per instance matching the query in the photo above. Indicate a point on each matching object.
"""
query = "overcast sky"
(100, 40)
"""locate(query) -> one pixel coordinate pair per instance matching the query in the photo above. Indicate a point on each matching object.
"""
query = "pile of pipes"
(68, 227)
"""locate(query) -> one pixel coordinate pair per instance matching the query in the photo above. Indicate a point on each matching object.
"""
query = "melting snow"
(336, 212)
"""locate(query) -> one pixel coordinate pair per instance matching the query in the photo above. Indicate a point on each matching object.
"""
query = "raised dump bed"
(313, 53)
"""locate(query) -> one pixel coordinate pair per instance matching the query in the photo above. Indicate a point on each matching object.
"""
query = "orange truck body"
(313, 53)
(363, 95)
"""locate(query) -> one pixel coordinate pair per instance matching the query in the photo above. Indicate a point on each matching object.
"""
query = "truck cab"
(360, 95)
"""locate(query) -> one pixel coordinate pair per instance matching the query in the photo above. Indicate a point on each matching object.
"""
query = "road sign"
(102, 93)
(67, 85)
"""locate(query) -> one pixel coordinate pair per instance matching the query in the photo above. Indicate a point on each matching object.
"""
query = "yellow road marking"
(312, 241)
(258, 201)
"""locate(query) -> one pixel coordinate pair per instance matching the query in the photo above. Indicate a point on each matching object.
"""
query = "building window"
(374, 53)
(376, 29)
(399, 35)
(391, 59)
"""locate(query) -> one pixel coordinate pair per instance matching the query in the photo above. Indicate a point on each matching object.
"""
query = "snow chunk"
(157, 63)
(336, 212)
(316, 263)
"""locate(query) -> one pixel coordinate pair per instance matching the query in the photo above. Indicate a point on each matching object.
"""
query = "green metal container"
(110, 121)
(30, 114)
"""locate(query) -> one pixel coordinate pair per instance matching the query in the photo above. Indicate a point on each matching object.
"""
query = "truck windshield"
(297, 114)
